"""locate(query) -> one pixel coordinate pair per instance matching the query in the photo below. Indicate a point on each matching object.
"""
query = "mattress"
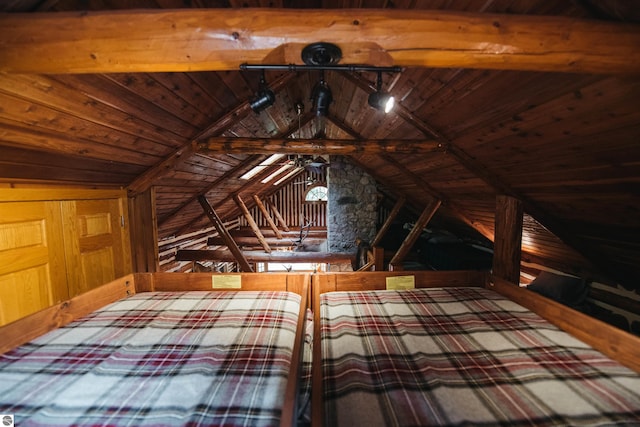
(462, 356)
(162, 359)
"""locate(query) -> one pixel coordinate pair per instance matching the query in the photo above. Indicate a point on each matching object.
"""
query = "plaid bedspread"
(161, 359)
(462, 356)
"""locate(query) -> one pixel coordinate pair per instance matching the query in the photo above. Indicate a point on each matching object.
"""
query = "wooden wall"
(289, 200)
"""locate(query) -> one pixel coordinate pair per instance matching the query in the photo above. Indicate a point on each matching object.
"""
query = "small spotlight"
(381, 100)
(263, 100)
(322, 97)
(264, 97)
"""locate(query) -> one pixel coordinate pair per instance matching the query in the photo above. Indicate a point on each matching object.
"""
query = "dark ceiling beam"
(222, 39)
(343, 147)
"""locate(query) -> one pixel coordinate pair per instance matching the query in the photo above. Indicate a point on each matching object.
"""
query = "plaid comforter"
(161, 359)
(462, 356)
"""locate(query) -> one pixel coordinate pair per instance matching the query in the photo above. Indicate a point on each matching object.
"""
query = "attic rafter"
(247, 164)
(308, 117)
(427, 188)
(222, 39)
(344, 127)
(344, 147)
(558, 228)
(249, 183)
(146, 180)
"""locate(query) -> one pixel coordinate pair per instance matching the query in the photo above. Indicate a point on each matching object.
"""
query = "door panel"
(32, 272)
(95, 243)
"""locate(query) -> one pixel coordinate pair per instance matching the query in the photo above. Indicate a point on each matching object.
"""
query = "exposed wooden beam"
(175, 159)
(427, 188)
(252, 241)
(254, 256)
(508, 238)
(295, 234)
(255, 181)
(415, 233)
(387, 223)
(252, 222)
(144, 232)
(267, 216)
(241, 166)
(278, 215)
(234, 250)
(316, 146)
(222, 39)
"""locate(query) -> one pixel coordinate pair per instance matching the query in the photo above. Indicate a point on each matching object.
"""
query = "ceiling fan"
(308, 181)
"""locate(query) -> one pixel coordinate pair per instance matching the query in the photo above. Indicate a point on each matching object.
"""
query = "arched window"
(316, 193)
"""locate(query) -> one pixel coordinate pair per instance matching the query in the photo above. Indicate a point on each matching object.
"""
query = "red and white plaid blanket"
(161, 359)
(462, 356)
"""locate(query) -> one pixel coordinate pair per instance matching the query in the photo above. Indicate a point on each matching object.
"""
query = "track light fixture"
(381, 100)
(264, 97)
(320, 57)
(321, 97)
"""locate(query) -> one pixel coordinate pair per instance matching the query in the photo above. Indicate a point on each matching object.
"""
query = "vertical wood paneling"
(289, 201)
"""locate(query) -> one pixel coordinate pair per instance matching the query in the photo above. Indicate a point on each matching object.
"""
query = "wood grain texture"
(507, 243)
(30, 327)
(415, 233)
(237, 254)
(315, 146)
(196, 40)
(257, 256)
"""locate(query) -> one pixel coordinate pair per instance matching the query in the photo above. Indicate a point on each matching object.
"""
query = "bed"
(167, 351)
(457, 353)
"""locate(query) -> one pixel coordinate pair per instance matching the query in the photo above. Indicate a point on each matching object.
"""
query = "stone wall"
(351, 208)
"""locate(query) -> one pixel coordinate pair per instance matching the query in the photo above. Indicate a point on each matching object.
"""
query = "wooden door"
(32, 264)
(96, 243)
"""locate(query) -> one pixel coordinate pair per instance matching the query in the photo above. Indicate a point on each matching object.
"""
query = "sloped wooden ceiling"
(539, 102)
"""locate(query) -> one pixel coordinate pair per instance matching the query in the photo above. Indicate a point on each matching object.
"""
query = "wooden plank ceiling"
(539, 102)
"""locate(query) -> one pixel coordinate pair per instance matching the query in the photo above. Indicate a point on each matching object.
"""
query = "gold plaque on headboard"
(226, 281)
(397, 283)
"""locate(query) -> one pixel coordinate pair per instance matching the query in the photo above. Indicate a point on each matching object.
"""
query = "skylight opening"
(262, 166)
(276, 173)
(287, 176)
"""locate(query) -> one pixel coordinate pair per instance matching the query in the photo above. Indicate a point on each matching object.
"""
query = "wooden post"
(414, 234)
(385, 227)
(378, 258)
(266, 215)
(252, 223)
(276, 212)
(231, 244)
(144, 232)
(507, 243)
